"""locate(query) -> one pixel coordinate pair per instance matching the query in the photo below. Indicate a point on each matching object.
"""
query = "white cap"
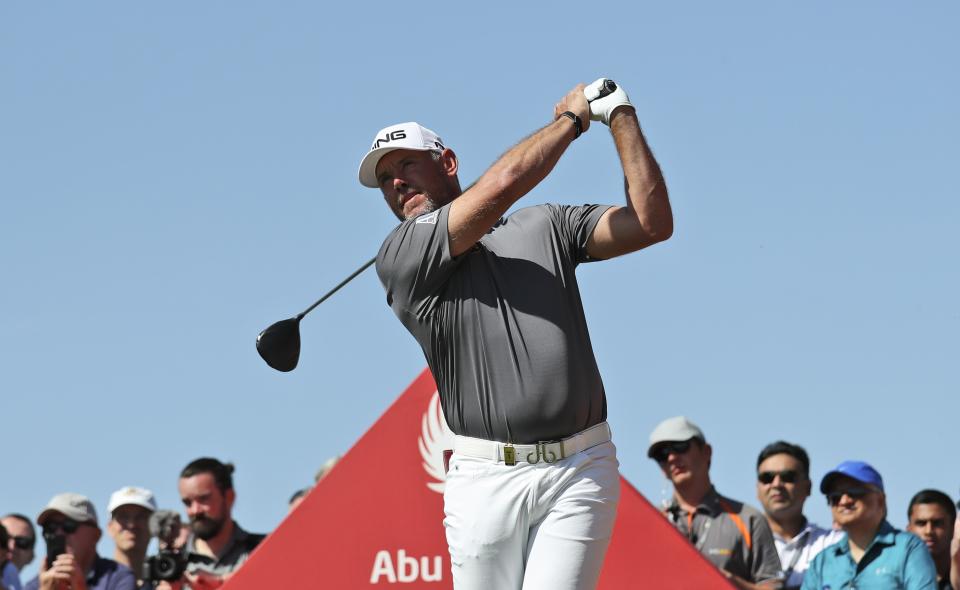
(134, 496)
(73, 506)
(402, 136)
(676, 429)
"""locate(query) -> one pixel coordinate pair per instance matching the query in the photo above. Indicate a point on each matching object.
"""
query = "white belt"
(548, 451)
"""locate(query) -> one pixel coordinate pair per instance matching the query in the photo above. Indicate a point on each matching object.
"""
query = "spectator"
(297, 498)
(130, 509)
(873, 554)
(23, 537)
(217, 546)
(783, 486)
(733, 536)
(931, 516)
(325, 468)
(9, 576)
(72, 519)
(955, 555)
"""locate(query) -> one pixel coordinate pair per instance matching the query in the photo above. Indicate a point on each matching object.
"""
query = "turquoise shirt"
(895, 560)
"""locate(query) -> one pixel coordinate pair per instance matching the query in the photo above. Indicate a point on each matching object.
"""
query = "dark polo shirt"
(717, 529)
(234, 554)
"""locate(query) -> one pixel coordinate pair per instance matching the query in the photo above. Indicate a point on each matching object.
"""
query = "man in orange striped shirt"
(733, 536)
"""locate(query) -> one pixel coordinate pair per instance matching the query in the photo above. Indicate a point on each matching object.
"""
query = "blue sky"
(174, 178)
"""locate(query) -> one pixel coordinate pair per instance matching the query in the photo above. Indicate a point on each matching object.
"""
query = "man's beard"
(205, 527)
(429, 206)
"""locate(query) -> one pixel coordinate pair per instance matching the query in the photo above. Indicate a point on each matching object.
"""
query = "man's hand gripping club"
(605, 96)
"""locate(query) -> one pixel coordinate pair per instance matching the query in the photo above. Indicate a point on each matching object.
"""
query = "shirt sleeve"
(764, 560)
(576, 224)
(414, 262)
(920, 573)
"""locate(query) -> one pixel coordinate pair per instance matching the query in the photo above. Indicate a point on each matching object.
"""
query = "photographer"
(217, 546)
(70, 528)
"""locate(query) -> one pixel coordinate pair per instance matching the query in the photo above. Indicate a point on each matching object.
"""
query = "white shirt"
(799, 551)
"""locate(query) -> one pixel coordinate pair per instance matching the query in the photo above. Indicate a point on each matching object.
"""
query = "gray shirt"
(732, 535)
(501, 325)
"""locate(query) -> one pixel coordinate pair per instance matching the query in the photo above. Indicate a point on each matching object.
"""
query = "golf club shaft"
(337, 288)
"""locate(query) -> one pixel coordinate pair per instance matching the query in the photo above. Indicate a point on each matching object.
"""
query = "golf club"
(279, 344)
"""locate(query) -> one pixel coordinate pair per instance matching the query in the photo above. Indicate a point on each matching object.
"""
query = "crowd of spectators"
(780, 548)
(773, 548)
(200, 556)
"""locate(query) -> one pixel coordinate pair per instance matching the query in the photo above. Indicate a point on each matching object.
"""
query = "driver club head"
(279, 344)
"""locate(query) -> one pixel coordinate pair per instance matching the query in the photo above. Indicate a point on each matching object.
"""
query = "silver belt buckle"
(540, 451)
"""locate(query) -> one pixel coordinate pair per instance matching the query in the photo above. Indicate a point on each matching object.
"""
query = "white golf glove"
(602, 108)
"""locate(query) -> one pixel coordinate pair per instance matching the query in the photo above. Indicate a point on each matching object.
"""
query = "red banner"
(377, 520)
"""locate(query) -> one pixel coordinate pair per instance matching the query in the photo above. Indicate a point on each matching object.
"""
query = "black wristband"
(577, 123)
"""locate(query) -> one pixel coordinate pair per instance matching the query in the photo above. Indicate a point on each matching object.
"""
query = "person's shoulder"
(247, 539)
(32, 584)
(253, 540)
(821, 537)
(909, 540)
(742, 509)
(541, 210)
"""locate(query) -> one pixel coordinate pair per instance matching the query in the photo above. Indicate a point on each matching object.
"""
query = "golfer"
(533, 486)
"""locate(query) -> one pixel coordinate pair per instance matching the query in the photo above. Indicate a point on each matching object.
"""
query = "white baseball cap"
(73, 506)
(402, 136)
(134, 496)
(676, 429)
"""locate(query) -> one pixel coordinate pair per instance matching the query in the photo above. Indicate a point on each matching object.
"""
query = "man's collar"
(236, 536)
(806, 531)
(886, 535)
(709, 504)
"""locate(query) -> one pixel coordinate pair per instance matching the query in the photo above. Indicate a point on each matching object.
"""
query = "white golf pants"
(531, 527)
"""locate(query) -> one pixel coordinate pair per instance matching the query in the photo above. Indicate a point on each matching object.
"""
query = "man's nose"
(399, 184)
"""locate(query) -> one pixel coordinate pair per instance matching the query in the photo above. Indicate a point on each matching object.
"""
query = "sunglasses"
(662, 453)
(23, 542)
(833, 498)
(786, 476)
(68, 526)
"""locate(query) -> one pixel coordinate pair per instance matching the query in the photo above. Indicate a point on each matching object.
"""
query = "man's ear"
(449, 162)
(230, 496)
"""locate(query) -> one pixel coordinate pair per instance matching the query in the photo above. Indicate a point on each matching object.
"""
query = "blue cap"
(857, 470)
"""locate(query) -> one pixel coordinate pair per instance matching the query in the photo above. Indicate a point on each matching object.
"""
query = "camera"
(169, 563)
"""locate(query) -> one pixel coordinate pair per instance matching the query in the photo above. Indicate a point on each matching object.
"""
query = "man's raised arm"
(515, 174)
(647, 217)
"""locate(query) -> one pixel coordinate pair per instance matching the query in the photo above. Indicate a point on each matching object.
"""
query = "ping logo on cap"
(388, 137)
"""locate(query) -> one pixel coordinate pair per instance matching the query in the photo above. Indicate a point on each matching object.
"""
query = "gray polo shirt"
(717, 529)
(501, 325)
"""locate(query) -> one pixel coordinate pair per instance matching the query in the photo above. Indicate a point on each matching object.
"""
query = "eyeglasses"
(23, 542)
(663, 452)
(833, 498)
(786, 476)
(68, 526)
